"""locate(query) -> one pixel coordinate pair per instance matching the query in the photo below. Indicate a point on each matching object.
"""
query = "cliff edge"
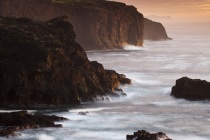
(41, 64)
(154, 31)
(99, 24)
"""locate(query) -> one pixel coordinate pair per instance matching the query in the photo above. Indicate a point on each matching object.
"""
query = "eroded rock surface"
(41, 64)
(99, 24)
(16, 121)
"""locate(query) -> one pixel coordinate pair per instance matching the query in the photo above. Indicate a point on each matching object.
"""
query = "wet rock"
(42, 65)
(83, 113)
(144, 135)
(191, 89)
(16, 121)
(119, 92)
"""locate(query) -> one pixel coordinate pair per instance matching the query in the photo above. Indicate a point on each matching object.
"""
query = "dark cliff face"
(98, 24)
(40, 63)
(154, 31)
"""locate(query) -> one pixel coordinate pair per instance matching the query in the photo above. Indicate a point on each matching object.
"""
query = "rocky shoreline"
(12, 122)
(42, 65)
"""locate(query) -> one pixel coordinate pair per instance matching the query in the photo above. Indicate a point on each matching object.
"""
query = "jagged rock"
(154, 31)
(99, 24)
(191, 89)
(144, 135)
(41, 64)
(16, 121)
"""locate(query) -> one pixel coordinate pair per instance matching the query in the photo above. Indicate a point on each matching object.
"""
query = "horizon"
(169, 12)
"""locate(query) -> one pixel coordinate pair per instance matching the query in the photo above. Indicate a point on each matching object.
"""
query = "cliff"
(99, 24)
(41, 64)
(154, 31)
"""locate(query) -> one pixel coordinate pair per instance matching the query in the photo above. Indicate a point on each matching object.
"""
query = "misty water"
(148, 105)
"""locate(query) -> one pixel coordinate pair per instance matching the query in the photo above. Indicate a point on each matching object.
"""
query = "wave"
(131, 47)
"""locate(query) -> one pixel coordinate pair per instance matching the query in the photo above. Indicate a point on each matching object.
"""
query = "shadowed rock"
(16, 121)
(42, 65)
(144, 135)
(154, 31)
(99, 24)
(83, 113)
(191, 89)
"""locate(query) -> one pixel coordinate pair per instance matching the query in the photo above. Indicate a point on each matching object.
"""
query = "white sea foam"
(88, 109)
(131, 47)
(148, 104)
(45, 137)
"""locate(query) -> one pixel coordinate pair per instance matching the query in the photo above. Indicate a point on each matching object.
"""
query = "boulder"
(191, 89)
(144, 135)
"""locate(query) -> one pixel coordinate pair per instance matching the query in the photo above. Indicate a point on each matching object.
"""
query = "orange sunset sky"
(173, 10)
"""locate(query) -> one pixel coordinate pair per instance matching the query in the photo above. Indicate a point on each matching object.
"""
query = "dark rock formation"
(99, 24)
(41, 64)
(191, 89)
(154, 31)
(16, 121)
(83, 113)
(144, 135)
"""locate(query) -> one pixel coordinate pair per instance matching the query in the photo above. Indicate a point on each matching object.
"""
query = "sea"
(154, 69)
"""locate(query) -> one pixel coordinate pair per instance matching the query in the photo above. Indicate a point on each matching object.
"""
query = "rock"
(144, 135)
(99, 24)
(83, 113)
(16, 121)
(119, 92)
(42, 65)
(154, 31)
(191, 89)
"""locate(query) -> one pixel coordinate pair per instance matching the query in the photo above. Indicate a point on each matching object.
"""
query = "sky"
(173, 10)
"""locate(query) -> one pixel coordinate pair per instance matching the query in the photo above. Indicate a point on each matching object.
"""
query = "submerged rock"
(42, 65)
(83, 113)
(144, 135)
(191, 89)
(16, 121)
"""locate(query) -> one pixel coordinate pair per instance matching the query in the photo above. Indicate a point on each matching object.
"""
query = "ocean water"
(148, 105)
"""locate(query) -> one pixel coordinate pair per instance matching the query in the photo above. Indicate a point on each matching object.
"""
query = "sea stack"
(191, 89)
